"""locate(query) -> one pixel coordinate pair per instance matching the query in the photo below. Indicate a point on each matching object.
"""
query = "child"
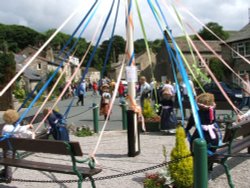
(168, 118)
(105, 101)
(206, 113)
(56, 125)
(10, 117)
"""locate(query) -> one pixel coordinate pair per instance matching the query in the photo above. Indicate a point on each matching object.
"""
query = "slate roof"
(183, 45)
(242, 34)
(28, 73)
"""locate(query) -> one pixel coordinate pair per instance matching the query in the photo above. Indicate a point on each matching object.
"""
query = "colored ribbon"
(39, 51)
(210, 129)
(183, 72)
(72, 77)
(52, 76)
(203, 25)
(111, 39)
(95, 49)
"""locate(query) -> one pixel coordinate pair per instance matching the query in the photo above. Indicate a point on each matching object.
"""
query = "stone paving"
(112, 156)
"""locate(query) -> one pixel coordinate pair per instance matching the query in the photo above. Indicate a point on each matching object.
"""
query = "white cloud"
(45, 14)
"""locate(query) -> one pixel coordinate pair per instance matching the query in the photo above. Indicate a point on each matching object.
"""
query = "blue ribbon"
(110, 40)
(182, 71)
(58, 68)
(93, 53)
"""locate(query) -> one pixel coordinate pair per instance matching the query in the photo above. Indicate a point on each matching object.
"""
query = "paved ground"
(112, 156)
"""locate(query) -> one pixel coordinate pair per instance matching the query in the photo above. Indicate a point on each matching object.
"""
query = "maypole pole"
(131, 76)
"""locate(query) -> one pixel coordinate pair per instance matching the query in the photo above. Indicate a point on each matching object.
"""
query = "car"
(233, 91)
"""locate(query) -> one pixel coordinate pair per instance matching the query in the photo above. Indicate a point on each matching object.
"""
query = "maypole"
(131, 76)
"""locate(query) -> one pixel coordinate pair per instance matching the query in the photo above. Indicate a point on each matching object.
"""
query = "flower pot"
(151, 126)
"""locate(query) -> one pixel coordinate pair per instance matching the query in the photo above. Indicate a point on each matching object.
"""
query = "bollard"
(95, 118)
(200, 163)
(124, 116)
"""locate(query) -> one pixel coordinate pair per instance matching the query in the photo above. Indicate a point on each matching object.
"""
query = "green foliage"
(216, 28)
(148, 110)
(19, 93)
(83, 131)
(181, 172)
(217, 68)
(154, 180)
(18, 37)
(7, 67)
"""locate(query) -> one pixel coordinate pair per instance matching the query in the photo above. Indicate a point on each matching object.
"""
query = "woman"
(105, 101)
(168, 118)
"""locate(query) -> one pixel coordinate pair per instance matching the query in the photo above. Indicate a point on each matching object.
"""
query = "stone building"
(163, 69)
(142, 63)
(240, 42)
(44, 63)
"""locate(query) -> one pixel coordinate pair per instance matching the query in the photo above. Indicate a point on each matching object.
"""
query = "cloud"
(42, 15)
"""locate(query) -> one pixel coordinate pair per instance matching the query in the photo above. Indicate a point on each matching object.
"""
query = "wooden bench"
(71, 149)
(236, 139)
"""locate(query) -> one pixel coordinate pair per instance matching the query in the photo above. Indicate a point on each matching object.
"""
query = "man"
(245, 92)
(144, 90)
(81, 93)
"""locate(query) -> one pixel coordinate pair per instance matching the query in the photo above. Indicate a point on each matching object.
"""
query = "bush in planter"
(152, 120)
(181, 172)
(149, 113)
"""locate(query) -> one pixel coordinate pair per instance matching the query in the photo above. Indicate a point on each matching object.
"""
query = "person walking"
(81, 93)
(245, 92)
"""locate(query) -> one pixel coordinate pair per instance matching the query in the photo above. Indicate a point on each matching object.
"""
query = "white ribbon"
(210, 128)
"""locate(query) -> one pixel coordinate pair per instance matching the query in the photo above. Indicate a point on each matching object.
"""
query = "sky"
(42, 15)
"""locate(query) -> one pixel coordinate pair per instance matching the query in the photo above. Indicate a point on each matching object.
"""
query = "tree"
(7, 67)
(18, 37)
(216, 28)
(217, 68)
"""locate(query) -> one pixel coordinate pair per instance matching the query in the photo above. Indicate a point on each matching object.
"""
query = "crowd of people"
(158, 93)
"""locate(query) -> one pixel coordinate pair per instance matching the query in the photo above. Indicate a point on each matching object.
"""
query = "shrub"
(83, 131)
(148, 110)
(19, 93)
(154, 180)
(181, 172)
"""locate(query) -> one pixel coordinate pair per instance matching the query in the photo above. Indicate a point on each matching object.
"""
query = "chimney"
(249, 15)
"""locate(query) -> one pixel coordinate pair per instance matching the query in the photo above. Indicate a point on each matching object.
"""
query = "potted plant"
(181, 172)
(159, 179)
(152, 120)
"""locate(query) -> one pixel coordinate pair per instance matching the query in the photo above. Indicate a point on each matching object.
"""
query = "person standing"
(81, 93)
(245, 92)
(95, 88)
(144, 90)
(105, 101)
(121, 91)
(168, 118)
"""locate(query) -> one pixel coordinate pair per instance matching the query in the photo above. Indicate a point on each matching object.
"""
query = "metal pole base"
(133, 134)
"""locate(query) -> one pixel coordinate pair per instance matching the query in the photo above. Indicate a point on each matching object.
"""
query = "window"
(242, 48)
(39, 66)
(248, 48)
